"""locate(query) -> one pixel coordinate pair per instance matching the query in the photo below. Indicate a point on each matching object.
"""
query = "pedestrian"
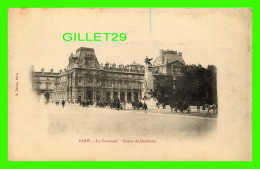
(63, 103)
(176, 109)
(133, 105)
(188, 109)
(172, 106)
(209, 107)
(84, 103)
(158, 105)
(198, 107)
(118, 105)
(214, 109)
(124, 105)
(163, 105)
(87, 103)
(145, 107)
(203, 106)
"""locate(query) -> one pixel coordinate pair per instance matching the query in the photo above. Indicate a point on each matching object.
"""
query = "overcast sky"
(205, 36)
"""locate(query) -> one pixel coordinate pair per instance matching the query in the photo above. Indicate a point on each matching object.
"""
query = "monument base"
(151, 103)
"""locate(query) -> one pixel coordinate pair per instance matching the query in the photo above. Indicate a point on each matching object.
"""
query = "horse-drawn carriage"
(181, 106)
(116, 104)
(212, 107)
(137, 105)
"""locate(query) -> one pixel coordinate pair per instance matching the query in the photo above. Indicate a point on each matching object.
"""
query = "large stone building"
(86, 78)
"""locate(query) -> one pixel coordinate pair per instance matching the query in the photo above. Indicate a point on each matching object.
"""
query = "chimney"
(180, 53)
(107, 65)
(60, 71)
(42, 70)
(51, 70)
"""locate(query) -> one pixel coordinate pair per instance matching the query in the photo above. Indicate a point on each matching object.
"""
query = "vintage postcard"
(132, 84)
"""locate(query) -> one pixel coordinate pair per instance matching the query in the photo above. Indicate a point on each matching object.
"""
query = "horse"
(139, 105)
(211, 107)
(182, 107)
(172, 106)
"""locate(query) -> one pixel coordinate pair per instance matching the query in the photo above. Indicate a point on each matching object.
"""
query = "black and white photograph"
(130, 84)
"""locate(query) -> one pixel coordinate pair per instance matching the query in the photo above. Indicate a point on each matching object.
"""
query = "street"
(127, 123)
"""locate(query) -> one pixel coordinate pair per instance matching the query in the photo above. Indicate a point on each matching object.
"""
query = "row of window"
(46, 86)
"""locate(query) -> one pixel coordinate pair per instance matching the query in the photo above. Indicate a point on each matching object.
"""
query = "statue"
(148, 94)
(153, 94)
(145, 83)
(148, 86)
(148, 61)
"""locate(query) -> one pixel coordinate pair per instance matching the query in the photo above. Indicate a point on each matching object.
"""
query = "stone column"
(71, 90)
(104, 95)
(71, 77)
(112, 93)
(86, 90)
(68, 89)
(82, 93)
(68, 93)
(86, 93)
(125, 96)
(101, 95)
(94, 98)
(132, 95)
(68, 78)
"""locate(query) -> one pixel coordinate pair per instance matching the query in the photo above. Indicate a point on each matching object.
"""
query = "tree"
(197, 85)
(164, 88)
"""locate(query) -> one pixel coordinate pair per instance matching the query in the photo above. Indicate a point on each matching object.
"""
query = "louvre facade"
(85, 78)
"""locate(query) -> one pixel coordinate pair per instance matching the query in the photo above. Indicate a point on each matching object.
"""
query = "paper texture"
(220, 37)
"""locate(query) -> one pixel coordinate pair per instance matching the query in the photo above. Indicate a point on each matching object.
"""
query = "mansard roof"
(135, 64)
(168, 56)
(85, 48)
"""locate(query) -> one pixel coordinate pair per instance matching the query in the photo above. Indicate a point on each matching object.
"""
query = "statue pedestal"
(151, 103)
(148, 87)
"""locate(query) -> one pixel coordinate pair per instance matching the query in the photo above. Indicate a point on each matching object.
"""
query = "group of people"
(175, 107)
(121, 105)
(212, 107)
(158, 104)
(181, 106)
(62, 103)
(117, 105)
(85, 103)
(137, 105)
